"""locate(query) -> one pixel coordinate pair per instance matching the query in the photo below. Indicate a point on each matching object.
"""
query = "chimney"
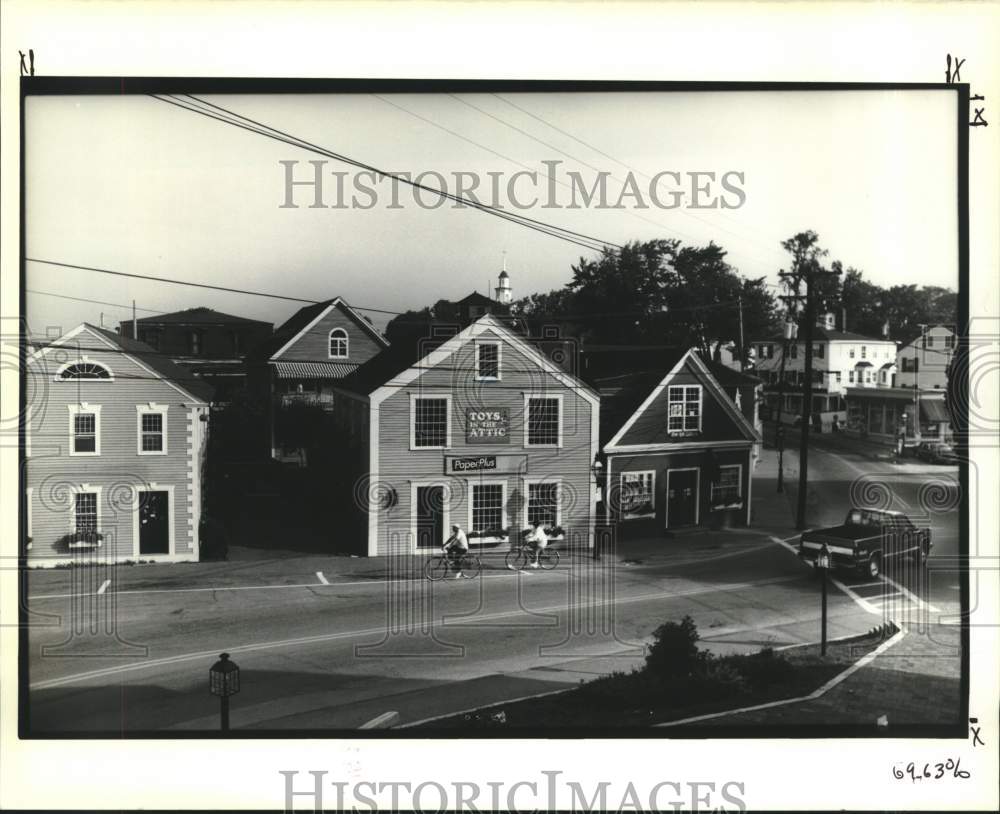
(843, 319)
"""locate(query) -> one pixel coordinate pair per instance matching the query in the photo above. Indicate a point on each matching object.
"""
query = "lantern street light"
(223, 681)
(823, 564)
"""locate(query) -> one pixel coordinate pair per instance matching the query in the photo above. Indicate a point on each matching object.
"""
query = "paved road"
(333, 650)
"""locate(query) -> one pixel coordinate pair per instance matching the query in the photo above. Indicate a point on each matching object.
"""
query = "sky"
(134, 184)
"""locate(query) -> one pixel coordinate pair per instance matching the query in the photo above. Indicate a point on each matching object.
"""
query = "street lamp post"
(224, 681)
(823, 564)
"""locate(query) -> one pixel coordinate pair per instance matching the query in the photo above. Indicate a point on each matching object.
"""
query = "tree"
(619, 297)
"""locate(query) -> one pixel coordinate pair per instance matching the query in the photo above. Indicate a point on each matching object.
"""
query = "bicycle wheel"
(515, 559)
(471, 566)
(548, 558)
(436, 568)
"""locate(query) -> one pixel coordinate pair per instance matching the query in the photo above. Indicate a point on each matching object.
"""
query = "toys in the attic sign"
(487, 426)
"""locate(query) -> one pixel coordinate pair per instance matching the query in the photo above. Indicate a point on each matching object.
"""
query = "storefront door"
(682, 498)
(154, 523)
(430, 516)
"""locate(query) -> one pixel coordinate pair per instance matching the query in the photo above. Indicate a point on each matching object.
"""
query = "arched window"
(338, 343)
(83, 370)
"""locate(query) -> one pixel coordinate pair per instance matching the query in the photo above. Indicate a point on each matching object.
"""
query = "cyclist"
(456, 547)
(537, 539)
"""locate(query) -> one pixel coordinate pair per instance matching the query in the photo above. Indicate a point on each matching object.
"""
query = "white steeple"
(503, 291)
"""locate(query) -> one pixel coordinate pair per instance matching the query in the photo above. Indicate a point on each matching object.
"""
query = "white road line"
(911, 596)
(322, 579)
(104, 587)
(327, 637)
(374, 581)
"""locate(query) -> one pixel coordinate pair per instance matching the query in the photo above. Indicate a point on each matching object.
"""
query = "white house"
(922, 361)
(841, 359)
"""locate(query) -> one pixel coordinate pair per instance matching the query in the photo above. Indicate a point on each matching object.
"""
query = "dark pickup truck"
(867, 538)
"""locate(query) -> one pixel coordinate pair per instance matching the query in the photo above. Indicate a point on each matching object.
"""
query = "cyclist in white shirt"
(456, 547)
(537, 539)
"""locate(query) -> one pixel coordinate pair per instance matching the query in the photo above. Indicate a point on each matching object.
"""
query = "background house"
(115, 451)
(923, 360)
(841, 359)
(210, 344)
(295, 372)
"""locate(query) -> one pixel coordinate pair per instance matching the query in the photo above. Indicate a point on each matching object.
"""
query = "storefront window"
(636, 494)
(543, 504)
(727, 488)
(487, 507)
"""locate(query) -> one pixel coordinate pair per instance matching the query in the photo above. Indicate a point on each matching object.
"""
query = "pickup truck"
(867, 538)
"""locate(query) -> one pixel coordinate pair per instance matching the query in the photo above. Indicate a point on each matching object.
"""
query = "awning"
(934, 411)
(313, 370)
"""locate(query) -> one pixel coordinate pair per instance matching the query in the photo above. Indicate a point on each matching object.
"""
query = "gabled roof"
(158, 364)
(398, 365)
(303, 320)
(728, 377)
(198, 316)
(825, 335)
(707, 379)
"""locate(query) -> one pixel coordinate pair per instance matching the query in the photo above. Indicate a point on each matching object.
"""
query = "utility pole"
(135, 326)
(810, 275)
(739, 301)
(779, 429)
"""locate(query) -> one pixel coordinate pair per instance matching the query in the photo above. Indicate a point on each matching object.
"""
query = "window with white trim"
(636, 496)
(85, 508)
(338, 343)
(488, 361)
(84, 429)
(151, 430)
(851, 352)
(864, 351)
(684, 408)
(543, 424)
(85, 432)
(727, 488)
(430, 422)
(543, 504)
(487, 507)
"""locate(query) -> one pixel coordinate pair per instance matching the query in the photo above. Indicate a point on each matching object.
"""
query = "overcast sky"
(133, 184)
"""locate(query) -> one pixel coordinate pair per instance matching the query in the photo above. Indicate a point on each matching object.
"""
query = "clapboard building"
(115, 452)
(475, 427)
(680, 452)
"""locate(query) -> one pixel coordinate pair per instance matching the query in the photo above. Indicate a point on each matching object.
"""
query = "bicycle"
(440, 565)
(518, 558)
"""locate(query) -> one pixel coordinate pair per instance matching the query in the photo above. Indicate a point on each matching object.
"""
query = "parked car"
(867, 538)
(936, 452)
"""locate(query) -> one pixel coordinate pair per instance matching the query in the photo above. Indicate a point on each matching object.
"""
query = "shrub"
(721, 679)
(763, 669)
(674, 651)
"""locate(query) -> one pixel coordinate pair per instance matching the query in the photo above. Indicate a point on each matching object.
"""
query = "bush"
(674, 651)
(721, 679)
(763, 669)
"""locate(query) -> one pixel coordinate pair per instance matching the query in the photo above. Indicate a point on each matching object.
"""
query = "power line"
(229, 117)
(93, 302)
(618, 161)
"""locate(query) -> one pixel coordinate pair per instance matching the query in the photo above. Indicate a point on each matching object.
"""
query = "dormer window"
(338, 343)
(83, 370)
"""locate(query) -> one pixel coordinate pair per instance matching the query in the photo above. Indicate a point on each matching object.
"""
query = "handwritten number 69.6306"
(930, 771)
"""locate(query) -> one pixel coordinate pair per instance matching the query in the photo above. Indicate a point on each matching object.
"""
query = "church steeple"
(503, 291)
